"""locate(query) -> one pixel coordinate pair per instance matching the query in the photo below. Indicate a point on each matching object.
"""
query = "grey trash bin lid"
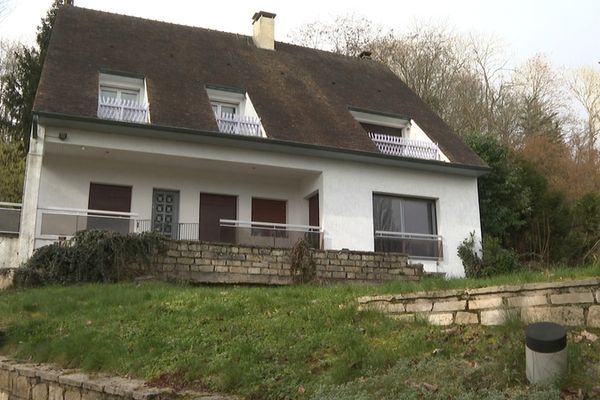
(546, 337)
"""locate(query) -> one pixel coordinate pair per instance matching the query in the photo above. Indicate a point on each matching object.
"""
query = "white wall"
(74, 183)
(346, 187)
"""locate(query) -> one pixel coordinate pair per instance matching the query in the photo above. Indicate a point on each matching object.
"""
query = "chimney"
(263, 26)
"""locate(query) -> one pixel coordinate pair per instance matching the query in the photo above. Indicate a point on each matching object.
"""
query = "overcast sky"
(567, 31)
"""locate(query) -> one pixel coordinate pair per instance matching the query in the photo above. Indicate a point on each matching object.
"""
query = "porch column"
(31, 189)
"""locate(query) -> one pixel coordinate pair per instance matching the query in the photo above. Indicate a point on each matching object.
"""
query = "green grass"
(280, 343)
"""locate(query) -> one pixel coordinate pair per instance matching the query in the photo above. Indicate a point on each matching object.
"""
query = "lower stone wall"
(19, 381)
(570, 303)
(6, 277)
(225, 263)
(9, 251)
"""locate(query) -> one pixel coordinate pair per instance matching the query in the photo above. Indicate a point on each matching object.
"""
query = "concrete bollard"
(545, 352)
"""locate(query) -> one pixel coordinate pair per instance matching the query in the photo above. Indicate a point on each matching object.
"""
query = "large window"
(406, 225)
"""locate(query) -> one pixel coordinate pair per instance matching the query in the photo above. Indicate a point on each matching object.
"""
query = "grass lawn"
(305, 342)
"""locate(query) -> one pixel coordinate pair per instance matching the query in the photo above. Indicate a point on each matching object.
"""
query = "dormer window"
(224, 108)
(123, 98)
(397, 135)
(234, 112)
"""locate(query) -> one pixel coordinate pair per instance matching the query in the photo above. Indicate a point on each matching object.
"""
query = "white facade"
(77, 154)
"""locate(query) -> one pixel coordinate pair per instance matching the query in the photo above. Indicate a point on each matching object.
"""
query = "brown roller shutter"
(109, 197)
(213, 208)
(266, 210)
(313, 210)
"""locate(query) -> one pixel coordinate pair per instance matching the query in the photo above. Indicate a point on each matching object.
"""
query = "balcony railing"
(402, 147)
(251, 233)
(65, 222)
(123, 110)
(414, 244)
(239, 124)
(10, 218)
(246, 233)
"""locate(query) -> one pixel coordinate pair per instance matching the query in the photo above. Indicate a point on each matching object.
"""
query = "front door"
(213, 208)
(165, 212)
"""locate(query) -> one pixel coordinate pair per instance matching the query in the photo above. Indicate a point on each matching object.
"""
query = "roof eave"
(266, 144)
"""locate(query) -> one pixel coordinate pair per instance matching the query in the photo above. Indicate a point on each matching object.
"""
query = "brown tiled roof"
(300, 94)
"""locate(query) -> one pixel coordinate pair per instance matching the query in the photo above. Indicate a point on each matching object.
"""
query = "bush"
(303, 268)
(494, 259)
(90, 256)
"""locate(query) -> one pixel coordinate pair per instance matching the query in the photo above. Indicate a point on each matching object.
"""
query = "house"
(205, 135)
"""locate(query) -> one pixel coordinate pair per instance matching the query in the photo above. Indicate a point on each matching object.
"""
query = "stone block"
(598, 296)
(202, 268)
(593, 317)
(338, 275)
(75, 380)
(457, 305)
(395, 308)
(254, 271)
(185, 260)
(569, 316)
(526, 301)
(440, 319)
(419, 306)
(90, 395)
(483, 303)
(404, 317)
(572, 298)
(466, 318)
(3, 395)
(72, 394)
(40, 392)
(48, 374)
(55, 392)
(5, 379)
(21, 387)
(494, 317)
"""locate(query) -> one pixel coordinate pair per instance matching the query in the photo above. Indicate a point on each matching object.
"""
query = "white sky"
(567, 31)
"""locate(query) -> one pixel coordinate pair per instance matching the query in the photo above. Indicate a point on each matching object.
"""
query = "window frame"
(432, 210)
(120, 90)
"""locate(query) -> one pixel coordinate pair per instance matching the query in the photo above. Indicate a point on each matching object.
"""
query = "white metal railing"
(271, 234)
(414, 244)
(65, 222)
(238, 124)
(10, 217)
(402, 147)
(123, 110)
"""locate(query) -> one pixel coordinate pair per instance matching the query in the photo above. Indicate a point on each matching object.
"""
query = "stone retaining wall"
(225, 263)
(20, 381)
(570, 303)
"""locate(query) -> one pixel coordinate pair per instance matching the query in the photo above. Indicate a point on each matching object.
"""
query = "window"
(221, 109)
(267, 210)
(234, 112)
(119, 93)
(114, 198)
(407, 225)
(122, 98)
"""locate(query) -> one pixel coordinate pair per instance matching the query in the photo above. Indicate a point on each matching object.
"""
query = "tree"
(348, 35)
(19, 83)
(584, 85)
(12, 165)
(504, 199)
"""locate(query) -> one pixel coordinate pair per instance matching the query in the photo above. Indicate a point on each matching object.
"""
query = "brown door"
(266, 210)
(313, 210)
(109, 198)
(213, 208)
